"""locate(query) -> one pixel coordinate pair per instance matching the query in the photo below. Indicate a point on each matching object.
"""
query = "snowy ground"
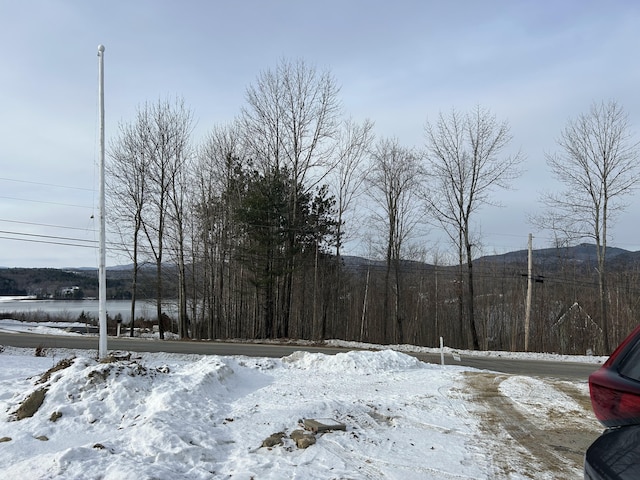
(163, 416)
(43, 328)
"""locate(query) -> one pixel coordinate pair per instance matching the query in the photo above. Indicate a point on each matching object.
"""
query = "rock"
(302, 439)
(31, 404)
(43, 438)
(55, 416)
(116, 357)
(61, 365)
(5, 439)
(322, 424)
(273, 440)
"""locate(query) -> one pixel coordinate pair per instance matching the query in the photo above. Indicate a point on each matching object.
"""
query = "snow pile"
(201, 417)
(365, 363)
(552, 357)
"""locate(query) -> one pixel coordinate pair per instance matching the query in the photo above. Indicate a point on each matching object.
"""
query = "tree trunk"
(470, 300)
(159, 296)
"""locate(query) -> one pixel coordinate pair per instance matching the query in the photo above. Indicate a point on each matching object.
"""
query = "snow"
(169, 416)
(523, 392)
(549, 357)
(42, 328)
(9, 298)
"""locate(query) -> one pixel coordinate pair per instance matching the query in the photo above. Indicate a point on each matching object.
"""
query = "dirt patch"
(530, 445)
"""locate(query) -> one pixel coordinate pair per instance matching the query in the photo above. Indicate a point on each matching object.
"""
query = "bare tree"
(218, 193)
(347, 180)
(127, 196)
(164, 128)
(394, 181)
(289, 123)
(178, 200)
(353, 147)
(466, 164)
(291, 118)
(598, 165)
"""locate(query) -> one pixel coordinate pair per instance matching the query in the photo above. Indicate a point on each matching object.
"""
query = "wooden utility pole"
(527, 315)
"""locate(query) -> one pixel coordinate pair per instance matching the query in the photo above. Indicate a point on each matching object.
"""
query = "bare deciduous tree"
(218, 195)
(291, 118)
(394, 181)
(157, 148)
(127, 196)
(348, 176)
(347, 180)
(466, 164)
(598, 165)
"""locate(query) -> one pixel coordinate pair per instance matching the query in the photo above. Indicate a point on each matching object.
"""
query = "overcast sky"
(535, 64)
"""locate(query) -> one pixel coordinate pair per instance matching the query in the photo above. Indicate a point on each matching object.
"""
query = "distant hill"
(583, 255)
(47, 281)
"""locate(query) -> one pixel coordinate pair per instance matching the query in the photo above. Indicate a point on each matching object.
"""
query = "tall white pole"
(102, 271)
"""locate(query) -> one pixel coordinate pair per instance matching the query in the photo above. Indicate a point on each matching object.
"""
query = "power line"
(55, 240)
(46, 184)
(47, 236)
(49, 242)
(52, 240)
(46, 225)
(48, 203)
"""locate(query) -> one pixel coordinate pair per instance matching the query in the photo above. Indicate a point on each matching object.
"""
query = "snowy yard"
(164, 416)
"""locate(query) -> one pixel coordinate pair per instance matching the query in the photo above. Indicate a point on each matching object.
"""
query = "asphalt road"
(561, 370)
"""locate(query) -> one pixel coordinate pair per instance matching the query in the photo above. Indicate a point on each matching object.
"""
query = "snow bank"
(205, 417)
(43, 328)
(365, 363)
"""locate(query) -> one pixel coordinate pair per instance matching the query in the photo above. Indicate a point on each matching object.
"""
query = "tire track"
(528, 445)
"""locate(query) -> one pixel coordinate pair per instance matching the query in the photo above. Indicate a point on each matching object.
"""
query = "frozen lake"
(73, 308)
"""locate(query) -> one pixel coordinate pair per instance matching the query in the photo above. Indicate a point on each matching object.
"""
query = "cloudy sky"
(536, 64)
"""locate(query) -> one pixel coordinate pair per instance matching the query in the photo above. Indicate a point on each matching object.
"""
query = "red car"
(615, 398)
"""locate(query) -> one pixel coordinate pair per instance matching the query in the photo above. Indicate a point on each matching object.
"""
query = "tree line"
(253, 219)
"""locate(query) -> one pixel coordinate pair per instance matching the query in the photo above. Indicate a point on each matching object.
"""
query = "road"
(560, 370)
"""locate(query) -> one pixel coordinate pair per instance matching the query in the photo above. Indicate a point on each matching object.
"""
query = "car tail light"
(615, 387)
(614, 407)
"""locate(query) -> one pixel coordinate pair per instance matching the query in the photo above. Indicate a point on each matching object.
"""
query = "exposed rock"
(55, 416)
(273, 440)
(61, 365)
(5, 439)
(43, 438)
(116, 357)
(303, 439)
(322, 424)
(31, 404)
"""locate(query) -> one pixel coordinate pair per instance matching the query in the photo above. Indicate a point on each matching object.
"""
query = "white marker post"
(102, 272)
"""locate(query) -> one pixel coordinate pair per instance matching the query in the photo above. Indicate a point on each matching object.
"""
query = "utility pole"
(102, 272)
(527, 315)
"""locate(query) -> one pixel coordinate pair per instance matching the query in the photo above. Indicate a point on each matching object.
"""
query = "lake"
(73, 308)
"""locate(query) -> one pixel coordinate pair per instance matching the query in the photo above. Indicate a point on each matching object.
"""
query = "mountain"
(47, 281)
(584, 255)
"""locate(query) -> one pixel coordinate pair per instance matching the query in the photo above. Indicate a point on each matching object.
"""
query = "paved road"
(562, 370)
